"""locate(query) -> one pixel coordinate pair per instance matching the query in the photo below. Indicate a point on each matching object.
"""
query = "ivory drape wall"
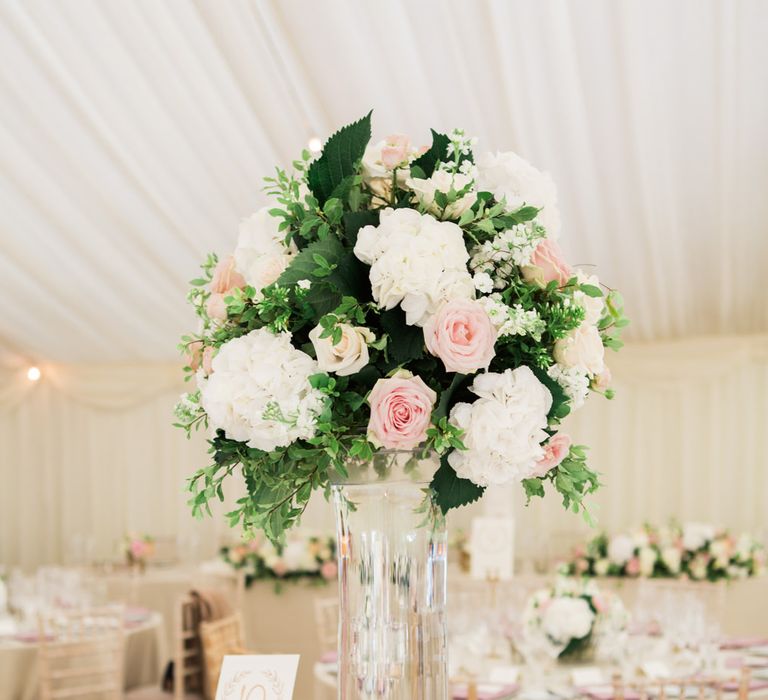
(90, 450)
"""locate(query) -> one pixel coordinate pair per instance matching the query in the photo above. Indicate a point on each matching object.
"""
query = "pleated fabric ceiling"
(134, 135)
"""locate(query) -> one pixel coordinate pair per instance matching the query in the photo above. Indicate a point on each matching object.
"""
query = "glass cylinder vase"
(392, 548)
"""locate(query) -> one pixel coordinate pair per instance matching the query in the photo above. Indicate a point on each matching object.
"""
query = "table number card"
(267, 677)
(492, 546)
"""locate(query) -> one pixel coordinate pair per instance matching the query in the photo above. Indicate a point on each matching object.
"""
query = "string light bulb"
(33, 374)
(315, 145)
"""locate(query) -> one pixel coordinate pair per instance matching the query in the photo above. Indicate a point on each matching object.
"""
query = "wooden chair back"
(699, 687)
(327, 621)
(218, 639)
(81, 653)
(187, 654)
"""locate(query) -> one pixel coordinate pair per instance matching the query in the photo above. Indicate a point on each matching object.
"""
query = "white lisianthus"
(261, 255)
(508, 176)
(567, 618)
(259, 392)
(696, 535)
(672, 558)
(442, 181)
(593, 306)
(602, 566)
(581, 348)
(621, 549)
(416, 261)
(346, 357)
(647, 558)
(503, 428)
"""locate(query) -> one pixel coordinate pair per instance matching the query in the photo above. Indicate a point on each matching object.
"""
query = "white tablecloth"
(145, 653)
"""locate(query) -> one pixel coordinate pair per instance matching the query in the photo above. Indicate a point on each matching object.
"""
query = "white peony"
(261, 255)
(510, 177)
(443, 181)
(593, 306)
(696, 535)
(581, 348)
(349, 355)
(621, 549)
(416, 261)
(259, 391)
(503, 428)
(567, 618)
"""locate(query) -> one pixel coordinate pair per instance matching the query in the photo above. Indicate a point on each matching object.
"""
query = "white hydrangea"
(261, 255)
(574, 382)
(416, 261)
(567, 618)
(696, 535)
(512, 320)
(508, 176)
(503, 428)
(621, 549)
(259, 392)
(507, 251)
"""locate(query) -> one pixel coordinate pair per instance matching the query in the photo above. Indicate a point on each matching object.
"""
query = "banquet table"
(145, 653)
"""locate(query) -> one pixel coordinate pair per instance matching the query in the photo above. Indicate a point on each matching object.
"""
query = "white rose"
(593, 306)
(259, 391)
(582, 348)
(568, 618)
(261, 256)
(376, 173)
(508, 176)
(621, 549)
(602, 566)
(443, 181)
(416, 261)
(696, 535)
(503, 428)
(672, 557)
(346, 357)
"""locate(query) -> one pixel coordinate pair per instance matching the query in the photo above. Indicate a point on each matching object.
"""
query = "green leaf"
(305, 263)
(561, 405)
(355, 220)
(445, 396)
(405, 342)
(427, 161)
(451, 491)
(339, 159)
(590, 290)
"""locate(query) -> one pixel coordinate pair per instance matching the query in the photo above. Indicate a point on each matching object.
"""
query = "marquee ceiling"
(134, 135)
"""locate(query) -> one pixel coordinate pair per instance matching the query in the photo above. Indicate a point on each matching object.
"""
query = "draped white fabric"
(133, 137)
(685, 437)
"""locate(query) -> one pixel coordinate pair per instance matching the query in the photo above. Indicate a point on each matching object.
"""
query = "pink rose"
(462, 335)
(226, 277)
(395, 151)
(581, 566)
(329, 570)
(401, 407)
(548, 264)
(194, 354)
(555, 451)
(633, 567)
(600, 603)
(215, 307)
(138, 549)
(207, 361)
(280, 568)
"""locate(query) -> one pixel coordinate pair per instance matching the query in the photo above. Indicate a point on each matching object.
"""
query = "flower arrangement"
(572, 614)
(138, 549)
(300, 558)
(695, 551)
(401, 298)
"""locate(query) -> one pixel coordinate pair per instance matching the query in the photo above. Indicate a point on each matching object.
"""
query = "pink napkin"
(460, 693)
(743, 642)
(330, 657)
(136, 616)
(754, 685)
(32, 637)
(606, 693)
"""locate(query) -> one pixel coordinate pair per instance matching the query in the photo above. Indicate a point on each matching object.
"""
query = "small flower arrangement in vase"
(138, 550)
(574, 616)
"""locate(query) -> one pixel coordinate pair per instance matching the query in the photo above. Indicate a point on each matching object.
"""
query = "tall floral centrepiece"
(399, 322)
